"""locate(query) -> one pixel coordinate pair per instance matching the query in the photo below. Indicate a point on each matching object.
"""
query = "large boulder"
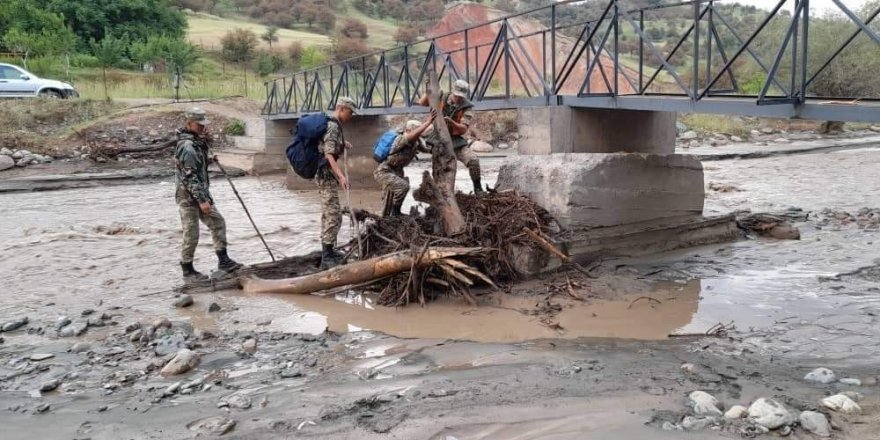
(481, 147)
(770, 414)
(816, 423)
(6, 162)
(586, 190)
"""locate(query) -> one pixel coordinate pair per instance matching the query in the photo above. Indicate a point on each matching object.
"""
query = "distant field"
(207, 30)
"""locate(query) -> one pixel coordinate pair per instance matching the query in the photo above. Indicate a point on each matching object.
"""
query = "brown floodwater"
(118, 246)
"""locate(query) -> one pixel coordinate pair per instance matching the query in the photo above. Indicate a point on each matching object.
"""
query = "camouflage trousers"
(190, 215)
(393, 184)
(331, 212)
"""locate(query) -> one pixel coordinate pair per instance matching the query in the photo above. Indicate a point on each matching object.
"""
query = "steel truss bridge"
(542, 57)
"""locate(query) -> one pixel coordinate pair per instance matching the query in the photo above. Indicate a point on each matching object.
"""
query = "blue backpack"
(303, 152)
(383, 145)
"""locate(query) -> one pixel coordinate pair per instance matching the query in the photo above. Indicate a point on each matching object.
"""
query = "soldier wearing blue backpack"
(394, 156)
(330, 177)
(314, 154)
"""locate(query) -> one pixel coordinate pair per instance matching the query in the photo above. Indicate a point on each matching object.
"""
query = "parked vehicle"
(16, 82)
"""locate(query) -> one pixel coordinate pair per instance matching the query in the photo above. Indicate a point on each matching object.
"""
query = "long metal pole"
(467, 58)
(553, 45)
(696, 48)
(237, 195)
(641, 54)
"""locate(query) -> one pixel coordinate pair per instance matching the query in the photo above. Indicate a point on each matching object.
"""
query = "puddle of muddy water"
(499, 317)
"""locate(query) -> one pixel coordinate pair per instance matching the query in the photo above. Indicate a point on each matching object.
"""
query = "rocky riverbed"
(96, 344)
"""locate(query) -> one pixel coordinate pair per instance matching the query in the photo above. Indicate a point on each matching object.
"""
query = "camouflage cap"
(348, 103)
(461, 88)
(197, 115)
(412, 124)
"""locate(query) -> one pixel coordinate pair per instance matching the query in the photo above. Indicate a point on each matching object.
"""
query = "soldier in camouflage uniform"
(329, 178)
(193, 197)
(389, 173)
(458, 113)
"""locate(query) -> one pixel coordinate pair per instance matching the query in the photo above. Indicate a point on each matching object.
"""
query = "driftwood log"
(355, 273)
(438, 187)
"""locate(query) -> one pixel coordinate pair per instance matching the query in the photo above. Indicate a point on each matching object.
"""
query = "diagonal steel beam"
(855, 18)
(595, 60)
(566, 69)
(656, 52)
(544, 86)
(841, 49)
(742, 48)
(751, 52)
(792, 28)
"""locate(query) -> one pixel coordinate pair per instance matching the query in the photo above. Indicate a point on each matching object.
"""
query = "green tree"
(110, 52)
(93, 19)
(270, 36)
(29, 29)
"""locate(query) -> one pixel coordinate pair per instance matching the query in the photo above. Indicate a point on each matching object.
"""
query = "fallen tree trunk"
(354, 273)
(438, 188)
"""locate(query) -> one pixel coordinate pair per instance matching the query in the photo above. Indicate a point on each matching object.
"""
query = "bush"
(239, 45)
(406, 35)
(312, 57)
(235, 127)
(84, 60)
(346, 48)
(354, 28)
(269, 62)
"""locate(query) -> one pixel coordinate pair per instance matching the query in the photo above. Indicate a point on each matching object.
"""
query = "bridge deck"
(817, 109)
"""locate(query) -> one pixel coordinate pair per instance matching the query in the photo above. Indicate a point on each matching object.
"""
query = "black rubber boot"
(329, 257)
(474, 171)
(397, 209)
(225, 263)
(190, 274)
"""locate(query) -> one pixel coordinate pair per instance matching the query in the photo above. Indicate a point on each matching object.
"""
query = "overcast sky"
(815, 5)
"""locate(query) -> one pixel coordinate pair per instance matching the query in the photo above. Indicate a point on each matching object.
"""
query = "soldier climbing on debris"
(330, 177)
(458, 113)
(390, 174)
(193, 197)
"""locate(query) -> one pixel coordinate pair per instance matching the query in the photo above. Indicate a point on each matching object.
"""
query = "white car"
(16, 82)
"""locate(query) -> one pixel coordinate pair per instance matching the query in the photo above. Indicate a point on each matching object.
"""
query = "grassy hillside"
(381, 32)
(207, 30)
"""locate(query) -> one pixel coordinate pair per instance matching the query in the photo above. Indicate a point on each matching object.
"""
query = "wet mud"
(600, 360)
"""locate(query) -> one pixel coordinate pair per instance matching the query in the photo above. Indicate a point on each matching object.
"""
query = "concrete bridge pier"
(549, 130)
(604, 168)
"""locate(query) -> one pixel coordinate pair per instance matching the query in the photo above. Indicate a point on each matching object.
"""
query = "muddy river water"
(119, 245)
(608, 370)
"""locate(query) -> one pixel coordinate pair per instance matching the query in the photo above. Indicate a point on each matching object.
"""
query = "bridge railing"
(566, 51)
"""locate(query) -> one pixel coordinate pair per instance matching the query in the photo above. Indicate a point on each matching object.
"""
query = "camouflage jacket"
(402, 153)
(191, 159)
(333, 143)
(461, 113)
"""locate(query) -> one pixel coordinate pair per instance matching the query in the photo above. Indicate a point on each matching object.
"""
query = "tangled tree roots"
(496, 221)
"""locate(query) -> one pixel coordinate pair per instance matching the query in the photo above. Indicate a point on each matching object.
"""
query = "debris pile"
(497, 223)
(865, 218)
